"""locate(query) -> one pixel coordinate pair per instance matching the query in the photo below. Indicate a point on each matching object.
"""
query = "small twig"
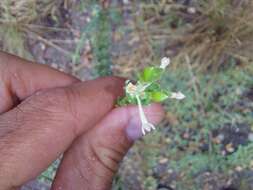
(194, 82)
(49, 43)
(46, 27)
(58, 41)
(64, 41)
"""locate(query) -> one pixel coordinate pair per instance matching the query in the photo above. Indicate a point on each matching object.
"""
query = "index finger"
(20, 78)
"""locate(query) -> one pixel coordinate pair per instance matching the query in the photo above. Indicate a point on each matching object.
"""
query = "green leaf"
(158, 96)
(153, 87)
(151, 74)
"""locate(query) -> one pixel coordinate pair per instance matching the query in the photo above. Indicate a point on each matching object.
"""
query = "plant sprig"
(147, 90)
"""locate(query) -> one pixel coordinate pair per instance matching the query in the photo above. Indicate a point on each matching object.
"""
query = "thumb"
(93, 159)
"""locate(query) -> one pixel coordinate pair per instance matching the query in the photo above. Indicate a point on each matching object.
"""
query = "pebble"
(54, 65)
(219, 138)
(229, 147)
(250, 137)
(191, 10)
(126, 2)
(238, 168)
(168, 140)
(170, 171)
(163, 161)
(186, 135)
(251, 163)
(42, 46)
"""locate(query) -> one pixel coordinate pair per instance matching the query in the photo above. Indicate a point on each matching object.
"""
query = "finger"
(47, 123)
(93, 159)
(19, 79)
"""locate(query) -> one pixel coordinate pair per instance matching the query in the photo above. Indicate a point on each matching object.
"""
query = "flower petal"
(164, 62)
(177, 95)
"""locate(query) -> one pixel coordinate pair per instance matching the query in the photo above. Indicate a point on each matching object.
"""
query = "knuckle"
(62, 102)
(69, 97)
(55, 105)
(10, 72)
(54, 100)
(49, 107)
(108, 166)
(108, 157)
(16, 77)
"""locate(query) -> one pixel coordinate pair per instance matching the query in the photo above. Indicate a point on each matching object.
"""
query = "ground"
(206, 141)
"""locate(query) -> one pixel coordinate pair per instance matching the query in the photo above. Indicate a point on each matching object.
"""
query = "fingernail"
(133, 130)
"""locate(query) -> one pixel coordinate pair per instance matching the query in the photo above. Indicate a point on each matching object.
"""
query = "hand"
(45, 113)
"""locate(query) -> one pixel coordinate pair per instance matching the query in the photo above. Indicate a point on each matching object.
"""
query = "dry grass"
(222, 30)
(15, 20)
(24, 11)
(219, 32)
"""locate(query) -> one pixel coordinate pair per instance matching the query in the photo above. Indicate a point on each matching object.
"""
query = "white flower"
(131, 89)
(137, 89)
(164, 62)
(145, 125)
(177, 95)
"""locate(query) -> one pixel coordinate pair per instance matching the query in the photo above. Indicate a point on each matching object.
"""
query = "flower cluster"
(147, 90)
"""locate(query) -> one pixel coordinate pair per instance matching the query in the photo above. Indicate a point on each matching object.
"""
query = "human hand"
(44, 113)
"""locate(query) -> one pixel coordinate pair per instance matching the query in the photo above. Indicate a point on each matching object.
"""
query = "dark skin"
(45, 113)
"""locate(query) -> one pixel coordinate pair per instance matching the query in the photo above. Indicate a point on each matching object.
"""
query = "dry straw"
(24, 11)
(15, 19)
(208, 36)
(222, 30)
